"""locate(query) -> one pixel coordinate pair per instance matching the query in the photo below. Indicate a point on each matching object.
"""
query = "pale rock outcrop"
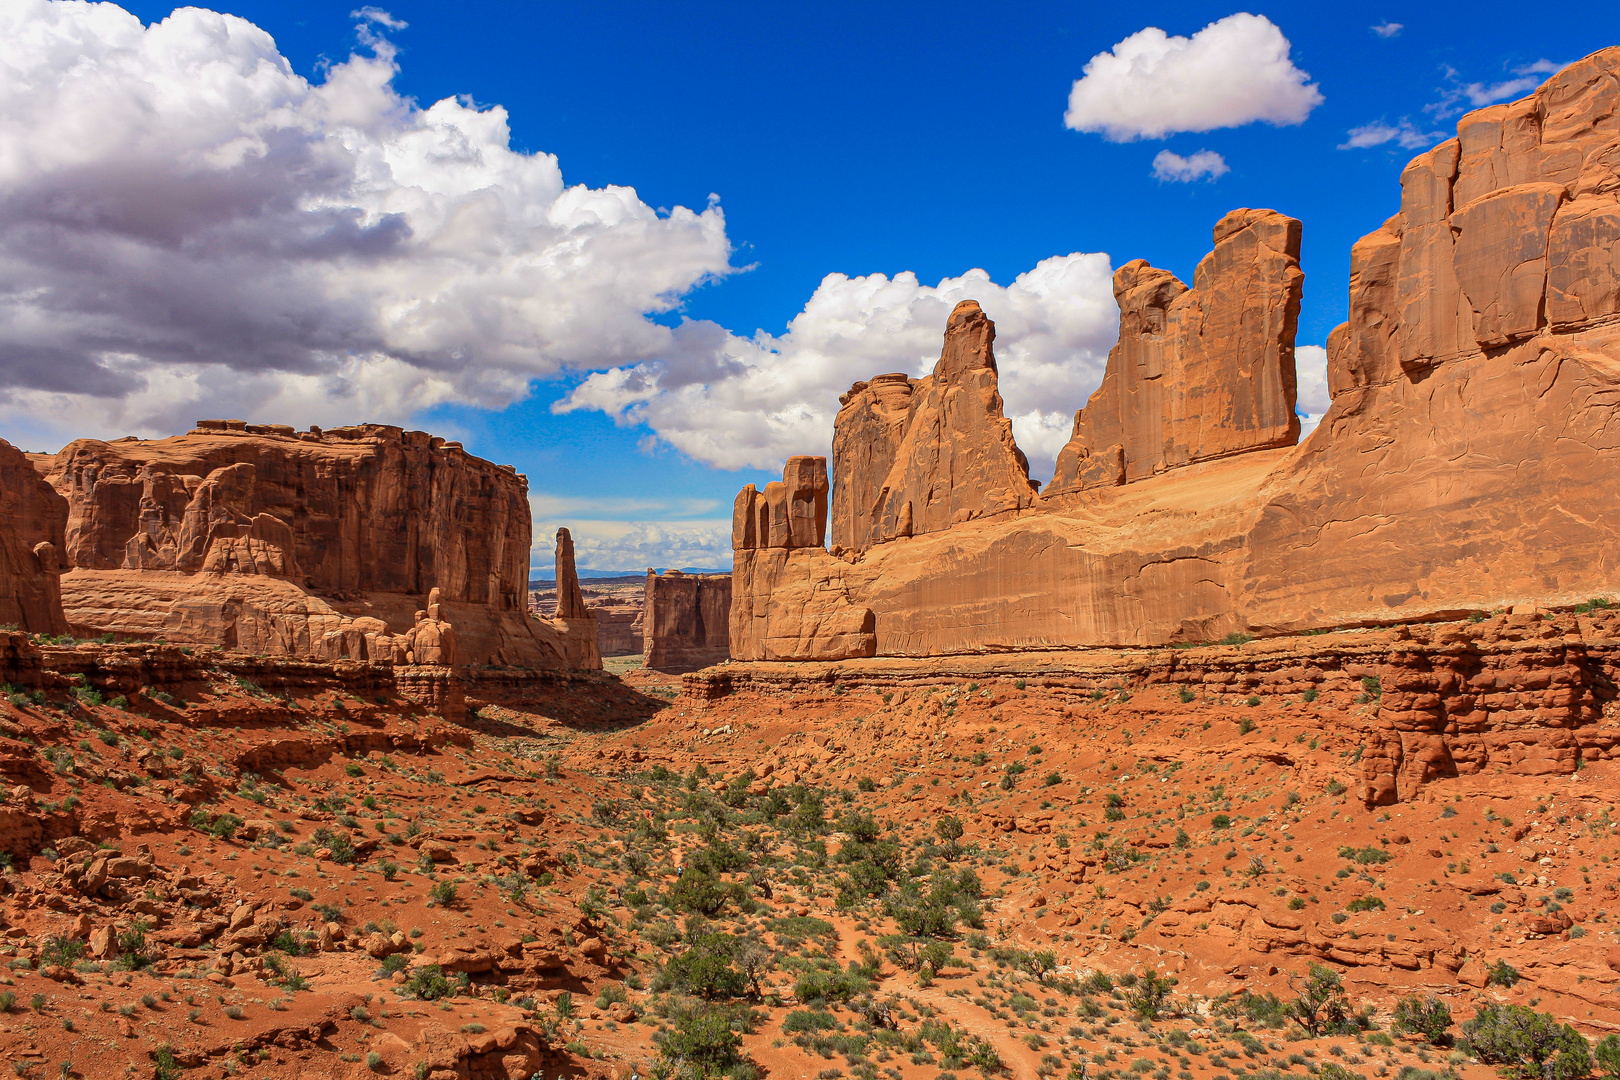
(1197, 373)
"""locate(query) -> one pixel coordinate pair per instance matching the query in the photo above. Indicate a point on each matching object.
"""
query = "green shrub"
(1147, 998)
(167, 1068)
(698, 891)
(132, 954)
(1366, 903)
(1365, 856)
(1607, 1055)
(1528, 1044)
(1502, 974)
(819, 985)
(700, 1043)
(428, 983)
(1320, 1005)
(61, 951)
(1426, 1016)
(705, 969)
(809, 1020)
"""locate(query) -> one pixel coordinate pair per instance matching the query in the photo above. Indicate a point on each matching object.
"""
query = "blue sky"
(851, 139)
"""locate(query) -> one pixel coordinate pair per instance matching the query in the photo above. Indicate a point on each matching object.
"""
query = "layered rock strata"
(1197, 373)
(259, 538)
(687, 621)
(1520, 695)
(1467, 462)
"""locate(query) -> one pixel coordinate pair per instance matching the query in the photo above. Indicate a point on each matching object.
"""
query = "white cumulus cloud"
(1387, 29)
(1458, 96)
(1404, 133)
(633, 546)
(1203, 165)
(1310, 369)
(737, 402)
(1232, 72)
(190, 228)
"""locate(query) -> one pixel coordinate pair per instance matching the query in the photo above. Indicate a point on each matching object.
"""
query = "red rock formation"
(307, 544)
(1198, 373)
(1451, 697)
(1467, 463)
(917, 457)
(570, 601)
(30, 542)
(619, 627)
(687, 622)
(871, 425)
(820, 624)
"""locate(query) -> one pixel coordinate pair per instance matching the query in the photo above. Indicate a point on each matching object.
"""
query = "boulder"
(437, 850)
(103, 943)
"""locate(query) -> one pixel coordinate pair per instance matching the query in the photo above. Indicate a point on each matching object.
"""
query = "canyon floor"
(613, 877)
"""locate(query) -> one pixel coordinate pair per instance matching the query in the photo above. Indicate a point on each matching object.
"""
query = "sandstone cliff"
(867, 434)
(913, 458)
(1198, 373)
(687, 621)
(1467, 462)
(30, 545)
(269, 540)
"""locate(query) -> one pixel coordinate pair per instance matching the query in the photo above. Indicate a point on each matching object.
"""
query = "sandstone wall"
(269, 540)
(619, 628)
(917, 457)
(1467, 463)
(1197, 373)
(687, 621)
(31, 533)
(871, 424)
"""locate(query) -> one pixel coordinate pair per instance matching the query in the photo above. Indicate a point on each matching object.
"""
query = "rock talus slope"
(265, 539)
(1467, 461)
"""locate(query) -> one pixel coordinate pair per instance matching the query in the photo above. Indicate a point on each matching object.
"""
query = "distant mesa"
(264, 539)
